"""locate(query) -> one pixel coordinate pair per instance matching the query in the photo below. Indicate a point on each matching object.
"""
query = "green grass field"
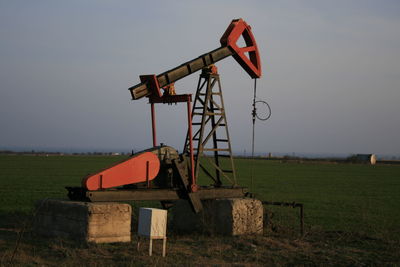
(361, 201)
(343, 197)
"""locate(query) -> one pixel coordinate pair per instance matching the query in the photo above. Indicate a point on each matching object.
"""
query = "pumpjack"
(161, 173)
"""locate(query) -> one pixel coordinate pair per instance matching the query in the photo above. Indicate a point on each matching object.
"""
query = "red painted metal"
(214, 69)
(248, 57)
(143, 167)
(153, 124)
(168, 99)
(194, 186)
(152, 83)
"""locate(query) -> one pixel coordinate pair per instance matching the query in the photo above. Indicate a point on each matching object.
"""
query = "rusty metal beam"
(143, 89)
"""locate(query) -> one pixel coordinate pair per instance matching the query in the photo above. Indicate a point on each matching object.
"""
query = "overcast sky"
(331, 73)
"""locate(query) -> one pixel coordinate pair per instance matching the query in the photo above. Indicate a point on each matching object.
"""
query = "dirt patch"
(316, 248)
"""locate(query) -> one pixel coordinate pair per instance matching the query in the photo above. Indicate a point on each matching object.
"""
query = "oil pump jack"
(161, 173)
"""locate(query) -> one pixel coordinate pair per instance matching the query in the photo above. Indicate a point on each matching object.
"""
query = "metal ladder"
(210, 131)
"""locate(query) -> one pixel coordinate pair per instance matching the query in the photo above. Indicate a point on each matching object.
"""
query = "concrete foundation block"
(104, 222)
(236, 216)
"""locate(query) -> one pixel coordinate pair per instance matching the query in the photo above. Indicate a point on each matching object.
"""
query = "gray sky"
(331, 73)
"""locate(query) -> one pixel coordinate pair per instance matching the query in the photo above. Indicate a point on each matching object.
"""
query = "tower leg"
(211, 133)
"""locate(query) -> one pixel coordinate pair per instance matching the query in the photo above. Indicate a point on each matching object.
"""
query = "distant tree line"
(47, 153)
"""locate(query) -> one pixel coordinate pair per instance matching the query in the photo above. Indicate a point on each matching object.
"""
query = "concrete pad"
(102, 222)
(235, 216)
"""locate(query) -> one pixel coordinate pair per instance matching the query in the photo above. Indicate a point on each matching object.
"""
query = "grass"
(345, 197)
(351, 216)
(25, 179)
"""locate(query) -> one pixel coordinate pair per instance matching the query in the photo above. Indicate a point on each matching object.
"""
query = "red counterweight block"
(143, 167)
